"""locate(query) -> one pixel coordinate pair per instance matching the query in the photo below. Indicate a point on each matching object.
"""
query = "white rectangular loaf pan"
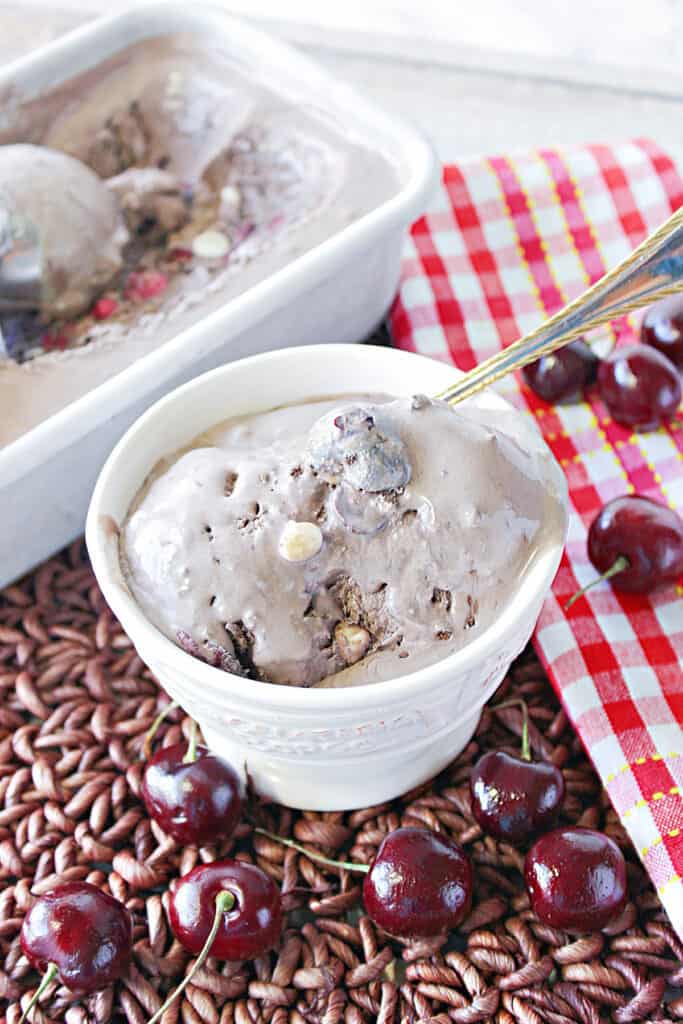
(336, 292)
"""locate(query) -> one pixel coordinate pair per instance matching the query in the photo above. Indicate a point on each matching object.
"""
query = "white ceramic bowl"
(320, 749)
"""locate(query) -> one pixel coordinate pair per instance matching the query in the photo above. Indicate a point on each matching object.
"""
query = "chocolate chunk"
(212, 653)
(231, 479)
(443, 598)
(122, 143)
(365, 609)
(473, 608)
(354, 448)
(243, 641)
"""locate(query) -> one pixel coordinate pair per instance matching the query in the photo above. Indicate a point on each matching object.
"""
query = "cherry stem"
(45, 981)
(147, 746)
(191, 754)
(621, 563)
(347, 865)
(517, 702)
(225, 901)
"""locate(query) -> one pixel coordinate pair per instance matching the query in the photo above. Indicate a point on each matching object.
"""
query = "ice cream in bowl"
(328, 569)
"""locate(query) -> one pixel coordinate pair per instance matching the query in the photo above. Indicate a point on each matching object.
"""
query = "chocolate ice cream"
(337, 542)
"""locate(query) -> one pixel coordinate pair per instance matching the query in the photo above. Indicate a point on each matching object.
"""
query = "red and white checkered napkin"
(509, 240)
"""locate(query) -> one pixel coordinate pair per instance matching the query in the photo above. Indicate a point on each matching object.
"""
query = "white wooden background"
(477, 77)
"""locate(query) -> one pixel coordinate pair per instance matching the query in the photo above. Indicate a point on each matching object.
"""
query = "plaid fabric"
(508, 241)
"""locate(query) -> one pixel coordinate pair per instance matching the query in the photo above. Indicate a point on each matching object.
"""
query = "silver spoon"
(651, 272)
(21, 259)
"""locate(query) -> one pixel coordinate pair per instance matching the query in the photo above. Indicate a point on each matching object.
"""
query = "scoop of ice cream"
(151, 201)
(122, 142)
(77, 219)
(365, 539)
(170, 113)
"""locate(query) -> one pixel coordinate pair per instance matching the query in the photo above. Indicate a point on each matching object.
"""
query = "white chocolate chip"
(175, 88)
(352, 641)
(468, 515)
(231, 199)
(174, 82)
(210, 245)
(300, 541)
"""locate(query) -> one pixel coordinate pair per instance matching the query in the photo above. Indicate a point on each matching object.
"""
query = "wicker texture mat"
(76, 703)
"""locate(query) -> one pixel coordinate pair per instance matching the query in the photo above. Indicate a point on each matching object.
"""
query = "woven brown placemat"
(76, 704)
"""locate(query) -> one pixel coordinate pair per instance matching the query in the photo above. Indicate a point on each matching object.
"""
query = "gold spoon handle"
(653, 271)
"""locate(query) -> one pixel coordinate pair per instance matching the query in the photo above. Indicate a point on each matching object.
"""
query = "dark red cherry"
(227, 909)
(639, 386)
(419, 884)
(576, 879)
(564, 373)
(249, 926)
(646, 536)
(79, 934)
(662, 328)
(195, 801)
(512, 798)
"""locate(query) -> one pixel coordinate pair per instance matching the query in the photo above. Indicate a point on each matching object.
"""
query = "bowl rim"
(536, 577)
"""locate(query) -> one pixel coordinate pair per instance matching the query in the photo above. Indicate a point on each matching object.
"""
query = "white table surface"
(466, 98)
